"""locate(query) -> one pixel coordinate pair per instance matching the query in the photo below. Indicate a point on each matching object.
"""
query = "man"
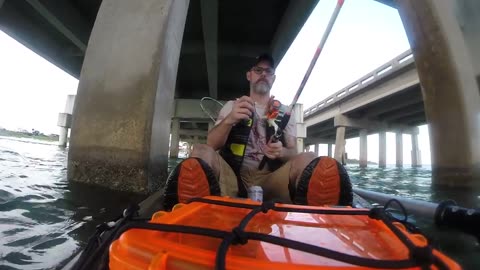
(243, 138)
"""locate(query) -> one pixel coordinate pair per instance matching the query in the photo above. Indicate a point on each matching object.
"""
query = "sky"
(366, 35)
(32, 90)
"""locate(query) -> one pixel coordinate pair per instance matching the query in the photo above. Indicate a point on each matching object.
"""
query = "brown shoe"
(191, 178)
(323, 182)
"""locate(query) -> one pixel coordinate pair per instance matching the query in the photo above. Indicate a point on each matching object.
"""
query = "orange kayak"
(226, 233)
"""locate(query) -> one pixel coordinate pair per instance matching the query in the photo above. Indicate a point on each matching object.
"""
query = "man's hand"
(243, 108)
(274, 150)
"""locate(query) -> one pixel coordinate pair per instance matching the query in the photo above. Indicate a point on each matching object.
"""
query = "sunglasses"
(259, 70)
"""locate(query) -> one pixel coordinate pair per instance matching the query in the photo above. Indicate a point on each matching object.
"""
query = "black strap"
(242, 190)
(238, 235)
(173, 228)
(332, 254)
(322, 211)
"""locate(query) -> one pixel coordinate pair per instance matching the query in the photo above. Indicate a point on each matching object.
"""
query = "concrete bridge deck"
(386, 99)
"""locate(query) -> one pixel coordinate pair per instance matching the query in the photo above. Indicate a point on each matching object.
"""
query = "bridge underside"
(56, 30)
(398, 112)
(59, 30)
(220, 40)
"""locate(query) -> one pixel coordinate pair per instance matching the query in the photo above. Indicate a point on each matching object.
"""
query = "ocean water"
(44, 220)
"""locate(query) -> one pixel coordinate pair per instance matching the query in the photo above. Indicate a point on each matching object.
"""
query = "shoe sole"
(331, 184)
(192, 178)
(194, 181)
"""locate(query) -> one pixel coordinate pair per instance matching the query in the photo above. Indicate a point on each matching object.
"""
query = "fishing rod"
(328, 30)
(446, 214)
(320, 47)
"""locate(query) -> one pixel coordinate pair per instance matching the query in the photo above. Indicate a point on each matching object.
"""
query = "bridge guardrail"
(397, 63)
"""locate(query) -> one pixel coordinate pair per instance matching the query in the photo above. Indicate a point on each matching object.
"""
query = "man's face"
(261, 78)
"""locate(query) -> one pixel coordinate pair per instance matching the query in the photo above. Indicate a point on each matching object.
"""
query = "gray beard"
(261, 88)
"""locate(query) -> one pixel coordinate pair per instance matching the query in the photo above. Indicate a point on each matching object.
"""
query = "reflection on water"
(44, 220)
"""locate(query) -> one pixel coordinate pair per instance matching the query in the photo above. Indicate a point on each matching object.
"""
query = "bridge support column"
(363, 148)
(416, 153)
(399, 149)
(300, 147)
(382, 149)
(340, 144)
(62, 137)
(329, 151)
(444, 38)
(121, 124)
(317, 149)
(65, 120)
(195, 140)
(175, 139)
(301, 127)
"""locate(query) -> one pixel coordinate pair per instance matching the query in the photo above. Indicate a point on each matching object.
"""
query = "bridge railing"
(384, 70)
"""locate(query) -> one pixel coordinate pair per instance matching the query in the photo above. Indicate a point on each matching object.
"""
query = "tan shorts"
(274, 184)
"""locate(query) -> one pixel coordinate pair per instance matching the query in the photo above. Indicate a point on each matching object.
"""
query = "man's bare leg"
(299, 163)
(207, 154)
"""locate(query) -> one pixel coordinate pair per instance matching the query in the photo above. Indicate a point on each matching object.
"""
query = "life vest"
(233, 151)
(281, 120)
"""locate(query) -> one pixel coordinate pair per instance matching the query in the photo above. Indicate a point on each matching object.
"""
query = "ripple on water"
(50, 243)
(24, 241)
(45, 215)
(18, 258)
(13, 231)
(5, 196)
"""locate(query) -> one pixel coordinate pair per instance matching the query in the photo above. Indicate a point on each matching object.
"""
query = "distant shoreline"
(28, 140)
(18, 134)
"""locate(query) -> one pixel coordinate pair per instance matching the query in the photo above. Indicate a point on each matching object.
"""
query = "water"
(44, 220)
(409, 182)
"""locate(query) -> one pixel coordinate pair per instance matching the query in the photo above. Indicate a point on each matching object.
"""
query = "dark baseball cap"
(264, 57)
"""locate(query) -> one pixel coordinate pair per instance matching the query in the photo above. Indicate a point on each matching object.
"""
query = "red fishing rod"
(320, 47)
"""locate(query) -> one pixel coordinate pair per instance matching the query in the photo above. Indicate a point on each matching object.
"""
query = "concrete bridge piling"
(121, 124)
